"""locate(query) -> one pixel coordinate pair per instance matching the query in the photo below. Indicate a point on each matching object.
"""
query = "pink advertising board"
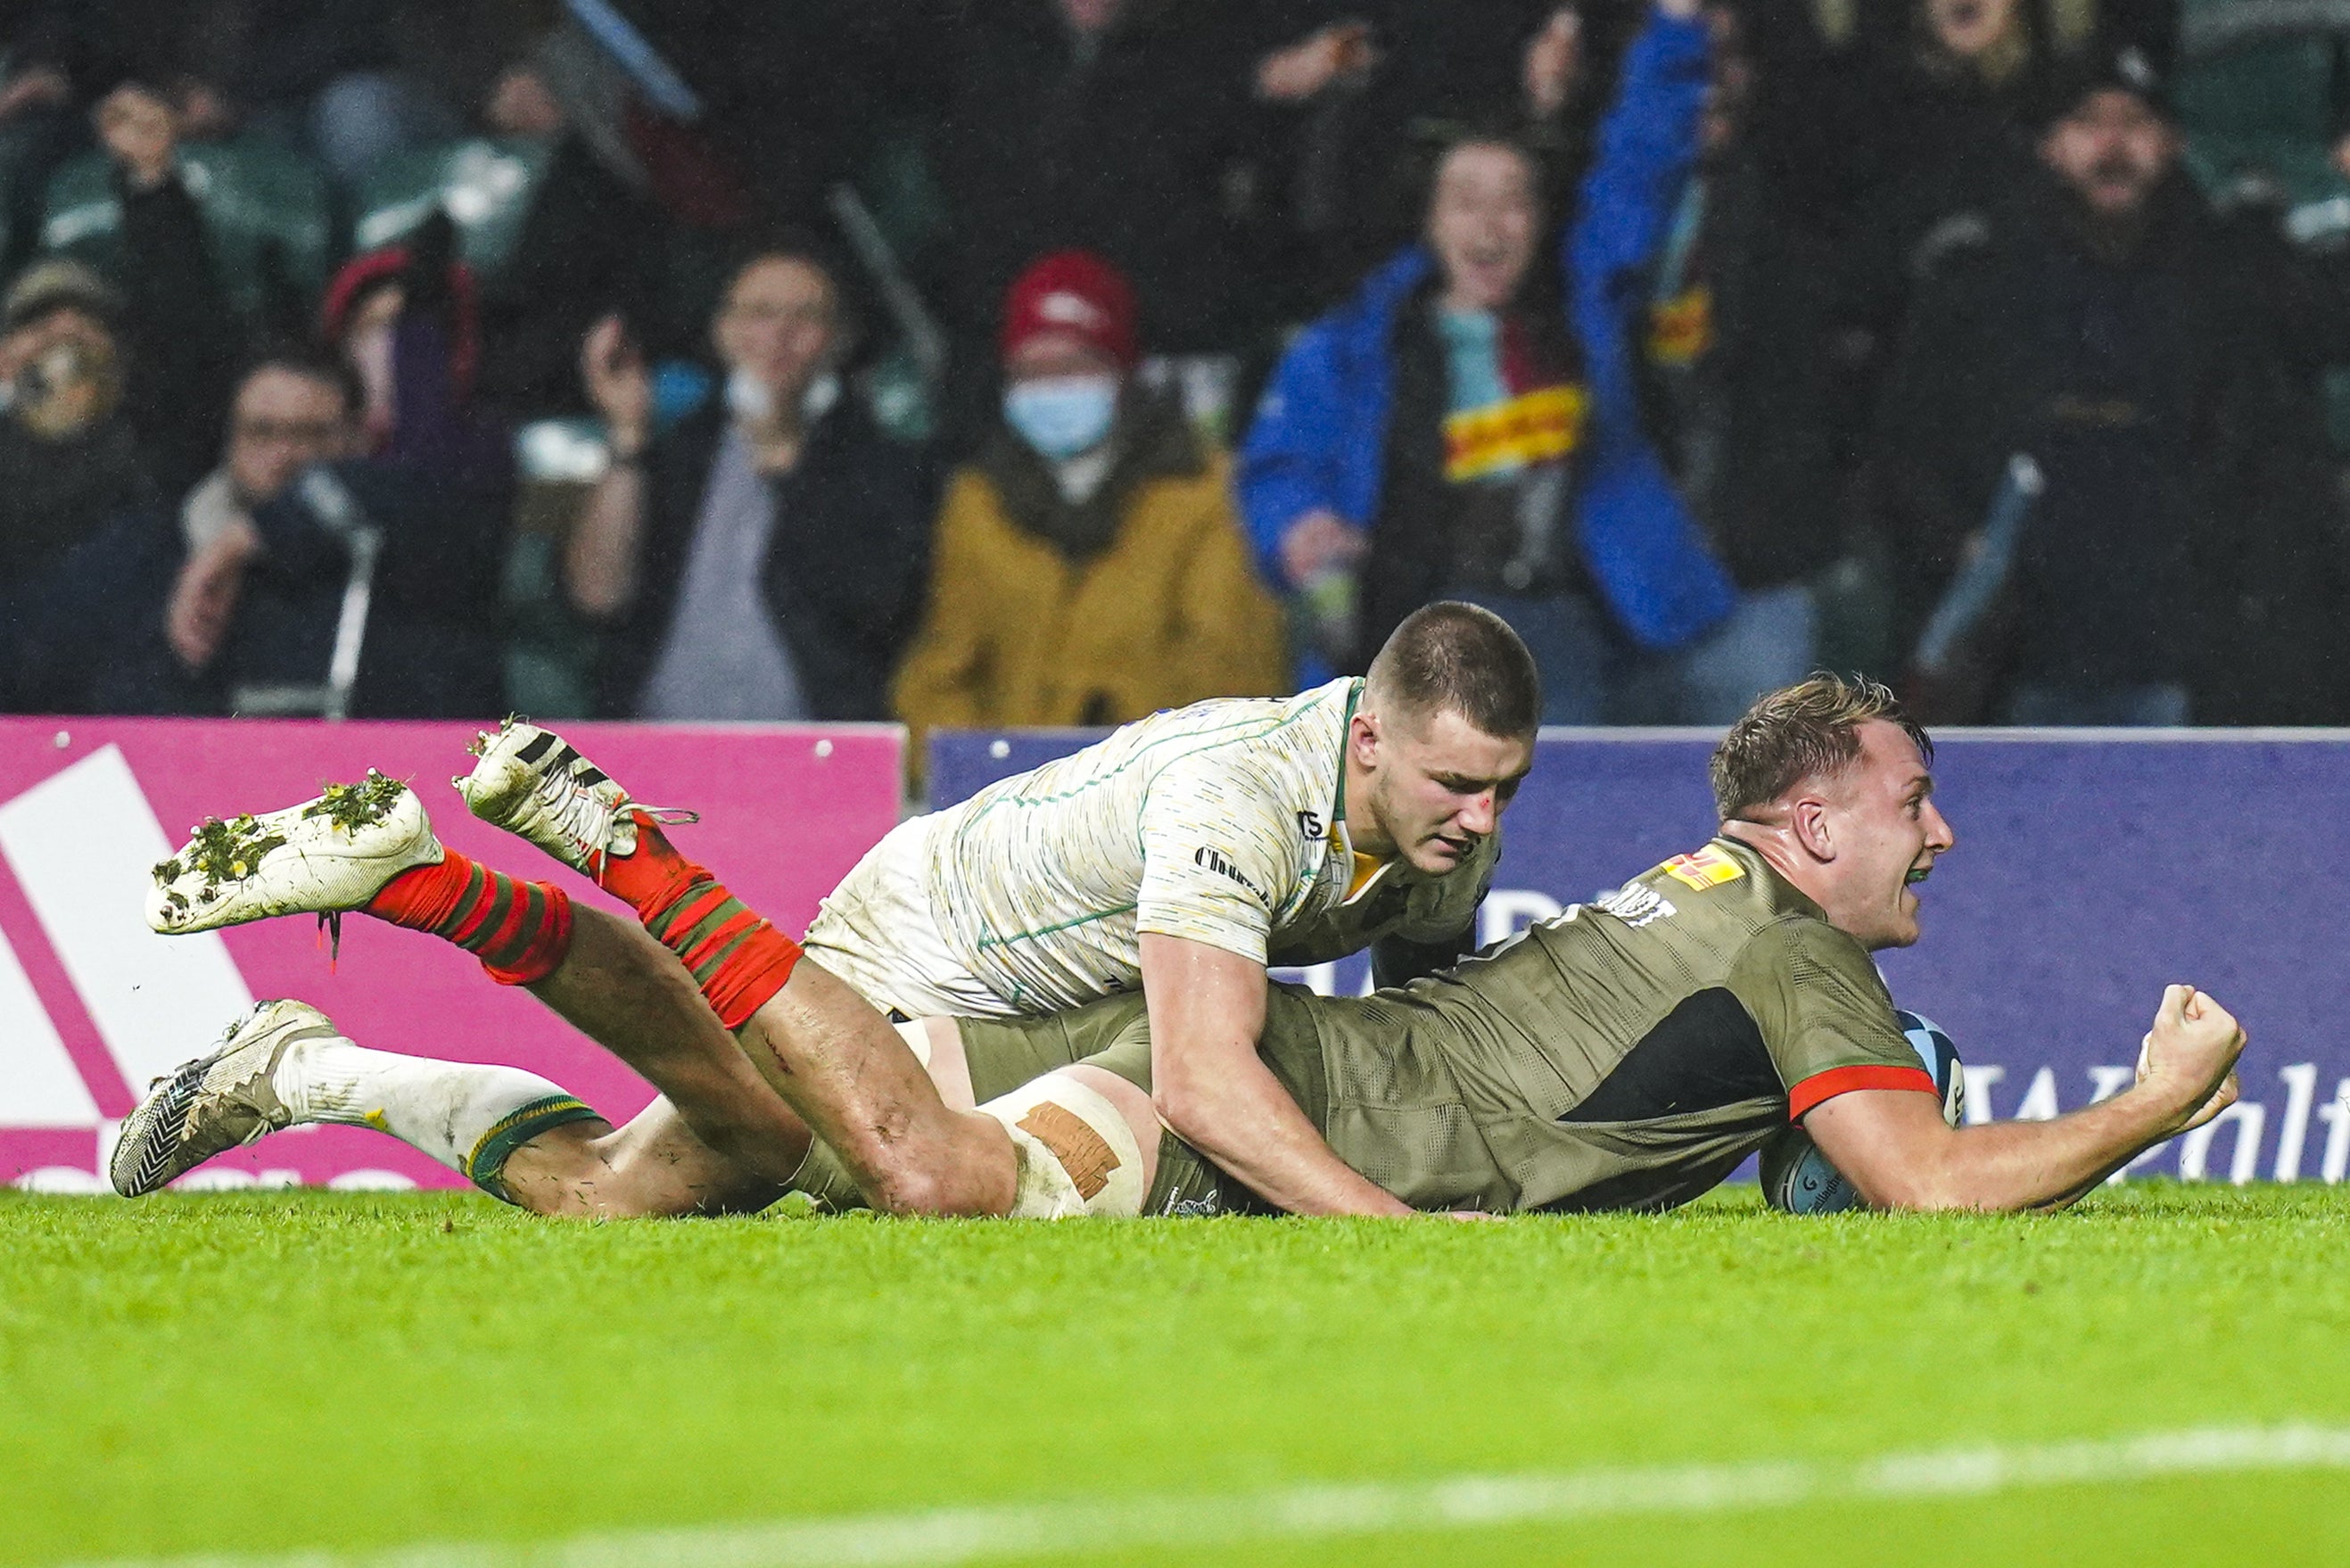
(92, 1004)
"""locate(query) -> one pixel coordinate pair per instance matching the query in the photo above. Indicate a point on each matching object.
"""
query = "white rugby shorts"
(878, 932)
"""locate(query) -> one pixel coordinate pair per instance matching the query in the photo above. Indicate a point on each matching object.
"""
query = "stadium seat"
(484, 185)
(257, 198)
(902, 193)
(2259, 90)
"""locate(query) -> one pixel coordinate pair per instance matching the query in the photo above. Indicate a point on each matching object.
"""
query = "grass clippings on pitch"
(259, 1374)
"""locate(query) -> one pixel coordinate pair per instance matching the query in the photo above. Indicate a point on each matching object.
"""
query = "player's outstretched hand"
(2192, 1051)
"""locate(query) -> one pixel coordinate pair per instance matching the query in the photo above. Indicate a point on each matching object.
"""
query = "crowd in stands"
(1007, 362)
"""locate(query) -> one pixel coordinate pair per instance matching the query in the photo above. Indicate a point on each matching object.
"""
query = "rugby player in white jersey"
(1183, 854)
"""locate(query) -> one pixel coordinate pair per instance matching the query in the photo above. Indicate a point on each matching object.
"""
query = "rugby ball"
(1797, 1177)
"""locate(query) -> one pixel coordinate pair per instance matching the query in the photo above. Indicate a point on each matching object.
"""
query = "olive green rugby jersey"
(1626, 1053)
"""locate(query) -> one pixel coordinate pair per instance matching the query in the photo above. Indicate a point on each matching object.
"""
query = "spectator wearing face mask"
(763, 558)
(1090, 568)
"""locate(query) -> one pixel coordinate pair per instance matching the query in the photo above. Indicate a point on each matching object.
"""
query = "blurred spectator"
(263, 560)
(351, 82)
(407, 319)
(1108, 125)
(179, 332)
(2109, 331)
(764, 558)
(1090, 568)
(1454, 432)
(1738, 313)
(70, 463)
(157, 335)
(1930, 140)
(292, 409)
(1364, 90)
(589, 246)
(302, 465)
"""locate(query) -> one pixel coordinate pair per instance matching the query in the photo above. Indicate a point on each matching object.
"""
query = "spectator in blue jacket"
(1451, 433)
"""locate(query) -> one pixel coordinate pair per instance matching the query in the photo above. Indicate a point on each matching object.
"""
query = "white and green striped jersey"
(1221, 822)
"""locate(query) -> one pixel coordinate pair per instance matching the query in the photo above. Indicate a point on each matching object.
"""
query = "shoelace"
(578, 813)
(585, 817)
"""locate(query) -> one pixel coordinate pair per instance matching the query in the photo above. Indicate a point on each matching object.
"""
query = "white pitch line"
(933, 1538)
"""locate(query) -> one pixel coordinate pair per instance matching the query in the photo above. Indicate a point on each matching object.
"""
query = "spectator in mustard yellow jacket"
(1089, 566)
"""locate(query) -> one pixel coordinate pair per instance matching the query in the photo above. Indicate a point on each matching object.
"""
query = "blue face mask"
(1062, 416)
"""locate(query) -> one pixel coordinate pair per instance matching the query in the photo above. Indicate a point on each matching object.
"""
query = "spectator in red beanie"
(1068, 346)
(1089, 567)
(407, 319)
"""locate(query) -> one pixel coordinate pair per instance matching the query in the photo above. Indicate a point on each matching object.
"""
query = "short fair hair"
(1452, 657)
(1809, 730)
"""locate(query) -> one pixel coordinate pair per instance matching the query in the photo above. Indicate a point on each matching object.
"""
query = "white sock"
(468, 1117)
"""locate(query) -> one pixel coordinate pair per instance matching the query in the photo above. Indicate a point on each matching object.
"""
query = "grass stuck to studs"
(351, 806)
(226, 850)
(220, 851)
(261, 1374)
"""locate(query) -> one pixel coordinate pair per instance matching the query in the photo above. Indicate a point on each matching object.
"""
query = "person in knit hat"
(1089, 565)
(2172, 562)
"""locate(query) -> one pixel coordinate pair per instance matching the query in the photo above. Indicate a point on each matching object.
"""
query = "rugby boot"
(535, 783)
(215, 1103)
(323, 857)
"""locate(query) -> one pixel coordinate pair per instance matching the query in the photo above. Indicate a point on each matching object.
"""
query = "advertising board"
(92, 1004)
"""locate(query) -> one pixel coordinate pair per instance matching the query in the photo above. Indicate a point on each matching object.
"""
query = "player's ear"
(1363, 739)
(1811, 823)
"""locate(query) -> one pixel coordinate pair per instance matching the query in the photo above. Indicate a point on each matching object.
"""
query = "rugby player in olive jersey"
(1630, 1052)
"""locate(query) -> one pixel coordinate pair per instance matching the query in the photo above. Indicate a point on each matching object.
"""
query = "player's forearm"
(2033, 1165)
(1243, 1119)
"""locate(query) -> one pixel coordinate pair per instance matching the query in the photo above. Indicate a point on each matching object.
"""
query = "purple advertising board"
(92, 1004)
(2091, 869)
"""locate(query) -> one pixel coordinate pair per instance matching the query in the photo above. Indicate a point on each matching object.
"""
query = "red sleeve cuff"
(1836, 1081)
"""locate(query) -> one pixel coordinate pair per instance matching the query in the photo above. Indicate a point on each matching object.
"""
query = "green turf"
(278, 1371)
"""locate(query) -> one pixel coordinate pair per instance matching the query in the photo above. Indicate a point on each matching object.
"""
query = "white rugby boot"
(322, 857)
(535, 783)
(215, 1103)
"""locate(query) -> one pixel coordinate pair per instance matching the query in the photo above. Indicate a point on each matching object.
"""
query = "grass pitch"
(259, 1374)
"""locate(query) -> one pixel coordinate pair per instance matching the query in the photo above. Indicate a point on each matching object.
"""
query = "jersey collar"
(1759, 864)
(1342, 841)
(1345, 729)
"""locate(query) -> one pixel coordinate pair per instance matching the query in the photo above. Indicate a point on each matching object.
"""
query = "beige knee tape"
(1077, 1154)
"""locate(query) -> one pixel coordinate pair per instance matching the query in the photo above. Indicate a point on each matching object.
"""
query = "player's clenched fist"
(2191, 1050)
